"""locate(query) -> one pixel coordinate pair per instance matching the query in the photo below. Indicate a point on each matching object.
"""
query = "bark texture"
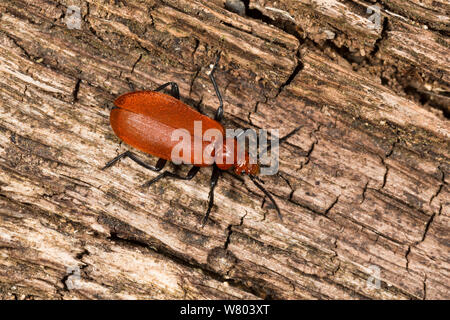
(364, 175)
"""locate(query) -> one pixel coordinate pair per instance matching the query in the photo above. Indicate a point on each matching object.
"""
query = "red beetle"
(146, 121)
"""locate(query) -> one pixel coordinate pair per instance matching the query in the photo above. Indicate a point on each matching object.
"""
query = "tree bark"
(363, 183)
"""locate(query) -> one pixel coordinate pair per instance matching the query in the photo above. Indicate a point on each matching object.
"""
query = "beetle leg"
(214, 177)
(267, 193)
(174, 91)
(191, 174)
(159, 165)
(219, 111)
(113, 161)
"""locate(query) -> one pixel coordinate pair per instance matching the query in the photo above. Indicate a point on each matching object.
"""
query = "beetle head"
(246, 167)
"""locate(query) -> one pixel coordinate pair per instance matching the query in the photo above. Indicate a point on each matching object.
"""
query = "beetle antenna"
(267, 193)
(290, 134)
(219, 111)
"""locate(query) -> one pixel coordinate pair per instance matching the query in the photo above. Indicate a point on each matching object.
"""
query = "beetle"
(145, 120)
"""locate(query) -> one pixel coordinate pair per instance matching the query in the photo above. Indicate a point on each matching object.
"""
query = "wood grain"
(363, 181)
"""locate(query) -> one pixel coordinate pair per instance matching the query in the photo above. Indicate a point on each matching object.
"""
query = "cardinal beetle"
(145, 121)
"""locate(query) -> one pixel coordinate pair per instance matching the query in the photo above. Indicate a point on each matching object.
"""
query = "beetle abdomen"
(166, 109)
(155, 138)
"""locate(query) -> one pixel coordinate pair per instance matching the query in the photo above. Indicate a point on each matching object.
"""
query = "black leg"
(174, 91)
(260, 187)
(159, 165)
(219, 112)
(214, 177)
(191, 174)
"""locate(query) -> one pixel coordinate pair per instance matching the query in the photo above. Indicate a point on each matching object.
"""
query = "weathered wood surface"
(363, 183)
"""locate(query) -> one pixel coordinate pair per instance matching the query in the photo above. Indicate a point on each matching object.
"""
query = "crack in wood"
(172, 255)
(331, 206)
(383, 161)
(76, 91)
(441, 186)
